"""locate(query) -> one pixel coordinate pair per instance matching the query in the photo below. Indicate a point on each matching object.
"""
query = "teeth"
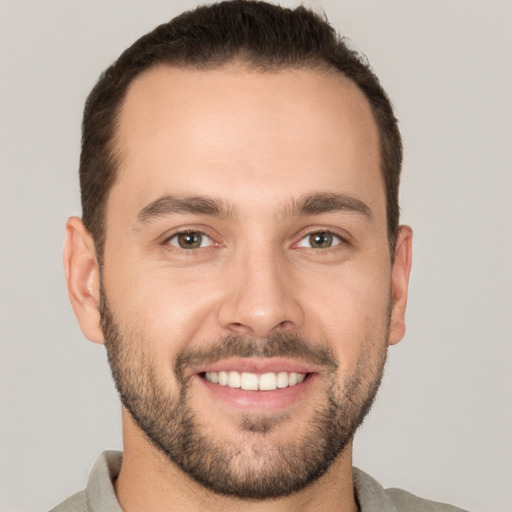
(253, 381)
(282, 380)
(234, 379)
(267, 382)
(249, 381)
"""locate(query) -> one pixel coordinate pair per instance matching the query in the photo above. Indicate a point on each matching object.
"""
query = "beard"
(256, 469)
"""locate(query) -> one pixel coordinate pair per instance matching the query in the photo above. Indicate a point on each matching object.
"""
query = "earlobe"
(400, 283)
(83, 278)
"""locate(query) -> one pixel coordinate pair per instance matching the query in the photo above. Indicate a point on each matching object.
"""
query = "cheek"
(349, 308)
(168, 307)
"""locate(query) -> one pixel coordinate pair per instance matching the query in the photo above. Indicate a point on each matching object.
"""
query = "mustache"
(279, 344)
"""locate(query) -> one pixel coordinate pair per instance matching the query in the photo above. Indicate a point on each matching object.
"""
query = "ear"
(83, 278)
(400, 283)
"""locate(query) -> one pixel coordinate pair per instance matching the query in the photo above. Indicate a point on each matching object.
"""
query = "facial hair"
(257, 470)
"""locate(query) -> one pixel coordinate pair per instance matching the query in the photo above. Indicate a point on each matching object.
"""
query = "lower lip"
(259, 400)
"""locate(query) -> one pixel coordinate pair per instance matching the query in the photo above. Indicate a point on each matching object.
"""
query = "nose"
(261, 297)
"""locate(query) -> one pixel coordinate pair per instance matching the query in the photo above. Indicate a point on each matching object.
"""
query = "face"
(248, 296)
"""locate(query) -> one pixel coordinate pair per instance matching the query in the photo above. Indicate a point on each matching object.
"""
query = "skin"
(257, 142)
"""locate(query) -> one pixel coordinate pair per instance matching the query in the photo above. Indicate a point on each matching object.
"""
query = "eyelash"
(337, 240)
(177, 234)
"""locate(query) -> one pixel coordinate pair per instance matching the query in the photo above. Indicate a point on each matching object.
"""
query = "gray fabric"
(372, 497)
(99, 496)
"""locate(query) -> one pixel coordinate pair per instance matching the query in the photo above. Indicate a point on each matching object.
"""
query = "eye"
(320, 240)
(190, 240)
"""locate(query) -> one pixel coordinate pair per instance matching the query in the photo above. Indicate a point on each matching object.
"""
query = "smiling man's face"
(248, 291)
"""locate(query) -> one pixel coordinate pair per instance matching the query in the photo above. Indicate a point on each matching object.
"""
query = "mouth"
(257, 385)
(249, 381)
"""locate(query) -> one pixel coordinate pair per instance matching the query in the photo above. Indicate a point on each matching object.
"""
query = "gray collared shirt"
(99, 495)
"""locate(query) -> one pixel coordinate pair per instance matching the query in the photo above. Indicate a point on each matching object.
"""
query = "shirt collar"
(101, 496)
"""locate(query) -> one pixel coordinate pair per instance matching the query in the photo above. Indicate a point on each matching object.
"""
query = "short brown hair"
(263, 36)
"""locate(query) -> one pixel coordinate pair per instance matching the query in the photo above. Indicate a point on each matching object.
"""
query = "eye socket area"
(321, 239)
(191, 239)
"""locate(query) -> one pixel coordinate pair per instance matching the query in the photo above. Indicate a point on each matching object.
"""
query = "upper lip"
(258, 365)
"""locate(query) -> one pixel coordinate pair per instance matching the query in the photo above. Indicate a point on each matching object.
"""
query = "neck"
(149, 481)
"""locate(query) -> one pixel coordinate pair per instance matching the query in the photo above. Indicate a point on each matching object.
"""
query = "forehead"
(235, 133)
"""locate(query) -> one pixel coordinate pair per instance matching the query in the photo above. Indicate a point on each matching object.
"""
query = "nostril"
(239, 328)
(285, 325)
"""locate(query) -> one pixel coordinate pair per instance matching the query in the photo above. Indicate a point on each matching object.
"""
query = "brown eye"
(320, 240)
(190, 240)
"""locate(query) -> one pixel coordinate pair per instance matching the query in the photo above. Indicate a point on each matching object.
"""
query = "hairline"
(242, 62)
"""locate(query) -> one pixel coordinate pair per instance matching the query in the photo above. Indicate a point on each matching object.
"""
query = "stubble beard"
(257, 469)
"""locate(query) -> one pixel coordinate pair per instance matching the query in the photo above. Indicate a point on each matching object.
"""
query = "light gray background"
(441, 427)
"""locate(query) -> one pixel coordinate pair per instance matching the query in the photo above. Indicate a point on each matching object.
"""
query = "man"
(240, 256)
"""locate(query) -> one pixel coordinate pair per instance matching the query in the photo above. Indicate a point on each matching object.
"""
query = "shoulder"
(99, 495)
(76, 503)
(373, 497)
(405, 501)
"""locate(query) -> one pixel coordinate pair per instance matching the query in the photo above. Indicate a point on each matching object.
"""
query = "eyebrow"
(316, 204)
(310, 204)
(199, 205)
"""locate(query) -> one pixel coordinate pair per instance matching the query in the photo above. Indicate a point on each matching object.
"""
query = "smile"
(255, 382)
